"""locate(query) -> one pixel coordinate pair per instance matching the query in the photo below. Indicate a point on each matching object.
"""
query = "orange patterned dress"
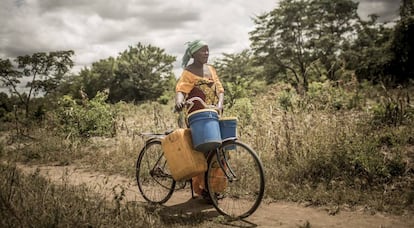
(207, 88)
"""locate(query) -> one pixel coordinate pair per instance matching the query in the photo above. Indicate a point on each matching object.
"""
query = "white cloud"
(97, 29)
(388, 10)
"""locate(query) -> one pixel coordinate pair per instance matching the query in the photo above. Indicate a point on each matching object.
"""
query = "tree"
(368, 55)
(402, 45)
(278, 41)
(97, 79)
(300, 35)
(142, 73)
(332, 22)
(238, 75)
(43, 71)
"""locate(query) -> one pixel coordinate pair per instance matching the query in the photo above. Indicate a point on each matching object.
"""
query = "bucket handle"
(191, 103)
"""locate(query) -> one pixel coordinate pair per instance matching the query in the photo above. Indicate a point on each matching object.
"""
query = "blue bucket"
(205, 129)
(228, 129)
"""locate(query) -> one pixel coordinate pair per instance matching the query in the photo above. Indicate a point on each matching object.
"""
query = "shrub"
(322, 96)
(242, 109)
(285, 100)
(90, 118)
(392, 110)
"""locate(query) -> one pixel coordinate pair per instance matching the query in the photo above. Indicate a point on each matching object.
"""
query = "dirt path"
(268, 215)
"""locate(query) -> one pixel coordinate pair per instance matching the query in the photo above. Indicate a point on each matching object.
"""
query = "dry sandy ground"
(280, 214)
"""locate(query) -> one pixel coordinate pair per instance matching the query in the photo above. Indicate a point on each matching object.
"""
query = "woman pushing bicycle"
(198, 79)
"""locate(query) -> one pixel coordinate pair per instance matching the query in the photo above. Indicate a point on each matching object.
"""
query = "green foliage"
(324, 96)
(239, 76)
(5, 105)
(285, 100)
(402, 48)
(318, 155)
(98, 78)
(242, 109)
(298, 33)
(235, 91)
(43, 70)
(164, 99)
(392, 110)
(369, 54)
(142, 73)
(91, 118)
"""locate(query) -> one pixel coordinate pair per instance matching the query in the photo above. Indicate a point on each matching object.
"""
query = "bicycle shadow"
(197, 211)
(190, 212)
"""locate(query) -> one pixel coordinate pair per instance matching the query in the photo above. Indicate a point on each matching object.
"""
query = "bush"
(392, 110)
(90, 118)
(242, 109)
(321, 96)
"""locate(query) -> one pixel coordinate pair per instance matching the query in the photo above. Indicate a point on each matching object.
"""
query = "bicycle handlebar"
(191, 102)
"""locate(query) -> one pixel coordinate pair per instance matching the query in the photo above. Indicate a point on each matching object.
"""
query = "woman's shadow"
(195, 211)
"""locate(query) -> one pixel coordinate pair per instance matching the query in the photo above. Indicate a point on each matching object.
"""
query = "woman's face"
(201, 55)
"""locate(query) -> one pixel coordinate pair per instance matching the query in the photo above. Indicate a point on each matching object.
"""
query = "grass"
(313, 152)
(32, 201)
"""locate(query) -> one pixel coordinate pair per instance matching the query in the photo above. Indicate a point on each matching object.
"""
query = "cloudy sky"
(98, 29)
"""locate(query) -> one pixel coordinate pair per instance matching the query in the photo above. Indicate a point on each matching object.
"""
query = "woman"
(199, 80)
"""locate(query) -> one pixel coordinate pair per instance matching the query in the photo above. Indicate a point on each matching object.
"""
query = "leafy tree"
(331, 23)
(142, 73)
(9, 76)
(238, 75)
(299, 34)
(96, 79)
(279, 41)
(402, 45)
(5, 105)
(368, 55)
(43, 71)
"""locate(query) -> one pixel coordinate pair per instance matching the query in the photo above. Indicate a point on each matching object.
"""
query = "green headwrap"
(192, 47)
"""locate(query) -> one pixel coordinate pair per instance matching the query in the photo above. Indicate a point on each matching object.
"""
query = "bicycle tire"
(154, 179)
(239, 193)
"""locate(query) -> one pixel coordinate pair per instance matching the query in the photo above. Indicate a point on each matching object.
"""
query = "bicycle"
(242, 181)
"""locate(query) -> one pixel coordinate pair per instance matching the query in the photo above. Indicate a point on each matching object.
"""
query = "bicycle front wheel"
(154, 179)
(237, 186)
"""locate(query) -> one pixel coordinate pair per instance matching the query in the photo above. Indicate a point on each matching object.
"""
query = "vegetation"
(323, 97)
(31, 201)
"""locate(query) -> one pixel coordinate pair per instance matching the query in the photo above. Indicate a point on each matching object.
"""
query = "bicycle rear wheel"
(154, 179)
(237, 186)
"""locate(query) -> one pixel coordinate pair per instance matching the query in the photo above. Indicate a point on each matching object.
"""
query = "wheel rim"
(237, 195)
(153, 177)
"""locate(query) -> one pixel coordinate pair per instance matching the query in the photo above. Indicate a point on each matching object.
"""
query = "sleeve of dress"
(185, 84)
(219, 86)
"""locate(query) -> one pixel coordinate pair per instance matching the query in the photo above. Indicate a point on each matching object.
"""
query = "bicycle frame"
(220, 152)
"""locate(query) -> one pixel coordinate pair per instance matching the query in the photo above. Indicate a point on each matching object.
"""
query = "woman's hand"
(219, 106)
(179, 101)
